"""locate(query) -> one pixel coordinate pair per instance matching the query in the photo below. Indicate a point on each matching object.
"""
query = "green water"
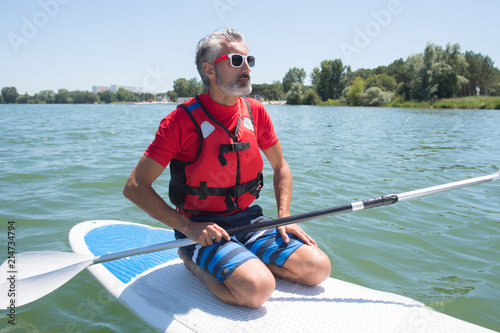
(64, 164)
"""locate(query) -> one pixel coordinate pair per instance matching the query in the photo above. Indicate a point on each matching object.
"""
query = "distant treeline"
(10, 95)
(182, 88)
(436, 74)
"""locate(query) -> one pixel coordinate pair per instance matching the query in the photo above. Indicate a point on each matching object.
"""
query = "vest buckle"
(255, 191)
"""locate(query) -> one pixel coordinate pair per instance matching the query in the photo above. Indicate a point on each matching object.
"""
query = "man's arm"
(282, 182)
(139, 190)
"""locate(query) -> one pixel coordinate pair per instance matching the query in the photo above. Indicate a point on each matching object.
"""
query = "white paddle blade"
(32, 275)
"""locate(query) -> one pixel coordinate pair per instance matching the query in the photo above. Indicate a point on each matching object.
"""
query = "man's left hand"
(297, 231)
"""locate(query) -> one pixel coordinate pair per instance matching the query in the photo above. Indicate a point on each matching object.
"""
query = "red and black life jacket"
(227, 172)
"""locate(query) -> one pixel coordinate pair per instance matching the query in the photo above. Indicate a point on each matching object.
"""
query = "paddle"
(32, 275)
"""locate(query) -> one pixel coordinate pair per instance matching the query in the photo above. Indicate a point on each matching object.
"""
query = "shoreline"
(471, 103)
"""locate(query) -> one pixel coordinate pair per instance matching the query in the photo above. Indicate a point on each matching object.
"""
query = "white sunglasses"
(237, 59)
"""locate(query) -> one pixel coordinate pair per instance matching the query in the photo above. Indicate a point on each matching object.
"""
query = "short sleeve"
(266, 136)
(176, 137)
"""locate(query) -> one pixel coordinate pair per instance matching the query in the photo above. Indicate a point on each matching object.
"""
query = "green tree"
(396, 70)
(172, 96)
(294, 75)
(269, 92)
(181, 87)
(78, 97)
(91, 98)
(382, 81)
(332, 79)
(260, 90)
(363, 73)
(374, 96)
(455, 80)
(107, 96)
(494, 84)
(435, 74)
(294, 95)
(45, 96)
(123, 95)
(276, 91)
(310, 97)
(10, 95)
(379, 70)
(456, 59)
(62, 96)
(188, 88)
(480, 74)
(147, 97)
(315, 77)
(354, 92)
(84, 97)
(24, 99)
(195, 87)
(412, 85)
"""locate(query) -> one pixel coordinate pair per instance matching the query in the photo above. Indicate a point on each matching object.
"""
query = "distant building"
(96, 89)
(114, 88)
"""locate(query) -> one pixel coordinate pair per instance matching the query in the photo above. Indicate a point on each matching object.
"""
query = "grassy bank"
(473, 102)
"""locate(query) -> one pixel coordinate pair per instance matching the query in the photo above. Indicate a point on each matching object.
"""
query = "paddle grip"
(384, 200)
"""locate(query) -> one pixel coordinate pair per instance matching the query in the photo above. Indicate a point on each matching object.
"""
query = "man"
(212, 144)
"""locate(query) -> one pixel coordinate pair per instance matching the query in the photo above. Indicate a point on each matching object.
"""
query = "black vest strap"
(253, 187)
(232, 147)
(203, 191)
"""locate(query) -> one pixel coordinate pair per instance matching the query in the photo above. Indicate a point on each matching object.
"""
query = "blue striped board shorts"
(221, 259)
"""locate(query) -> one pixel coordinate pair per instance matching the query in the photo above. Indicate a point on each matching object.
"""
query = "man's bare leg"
(308, 265)
(251, 284)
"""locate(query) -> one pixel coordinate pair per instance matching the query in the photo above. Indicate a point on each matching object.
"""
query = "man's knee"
(320, 269)
(259, 292)
(251, 284)
(311, 265)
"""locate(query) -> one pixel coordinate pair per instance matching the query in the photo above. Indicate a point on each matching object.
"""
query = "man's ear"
(209, 70)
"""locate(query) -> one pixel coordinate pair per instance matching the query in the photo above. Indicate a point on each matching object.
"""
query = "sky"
(75, 44)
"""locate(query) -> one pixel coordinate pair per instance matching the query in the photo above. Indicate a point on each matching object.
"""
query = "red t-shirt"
(177, 136)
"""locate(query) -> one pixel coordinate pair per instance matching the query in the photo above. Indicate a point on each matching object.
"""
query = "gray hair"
(210, 47)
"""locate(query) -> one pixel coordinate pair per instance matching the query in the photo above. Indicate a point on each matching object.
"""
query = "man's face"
(233, 81)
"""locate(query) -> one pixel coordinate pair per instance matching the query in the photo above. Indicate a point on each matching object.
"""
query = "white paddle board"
(164, 294)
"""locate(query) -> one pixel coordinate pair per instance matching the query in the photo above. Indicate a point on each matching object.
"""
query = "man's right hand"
(206, 233)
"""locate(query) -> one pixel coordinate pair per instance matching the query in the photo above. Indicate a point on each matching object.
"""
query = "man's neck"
(221, 97)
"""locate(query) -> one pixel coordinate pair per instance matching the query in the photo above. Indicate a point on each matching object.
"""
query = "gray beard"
(234, 87)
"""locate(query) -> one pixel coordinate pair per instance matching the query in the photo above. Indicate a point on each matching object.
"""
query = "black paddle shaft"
(384, 200)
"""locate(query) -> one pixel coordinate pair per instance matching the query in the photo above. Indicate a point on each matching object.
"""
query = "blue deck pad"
(118, 237)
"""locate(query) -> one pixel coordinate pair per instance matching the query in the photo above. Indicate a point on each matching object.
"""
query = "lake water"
(64, 164)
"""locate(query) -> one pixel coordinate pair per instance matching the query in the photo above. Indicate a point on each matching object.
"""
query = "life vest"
(227, 172)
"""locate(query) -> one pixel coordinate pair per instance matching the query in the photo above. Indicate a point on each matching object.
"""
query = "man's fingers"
(215, 234)
(284, 235)
(297, 231)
